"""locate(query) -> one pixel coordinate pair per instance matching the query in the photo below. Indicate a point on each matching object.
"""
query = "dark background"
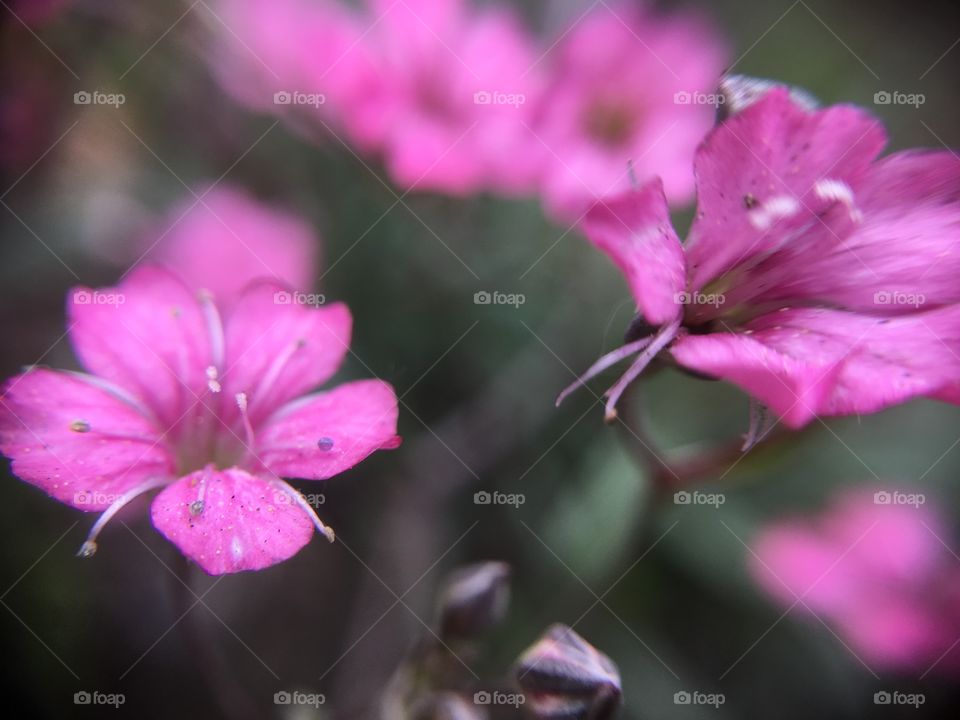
(481, 419)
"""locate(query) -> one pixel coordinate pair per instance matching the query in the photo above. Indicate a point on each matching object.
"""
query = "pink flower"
(209, 411)
(301, 59)
(242, 240)
(457, 86)
(877, 570)
(627, 87)
(820, 280)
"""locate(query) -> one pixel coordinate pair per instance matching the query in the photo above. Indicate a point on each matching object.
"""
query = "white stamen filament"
(611, 358)
(663, 337)
(276, 367)
(245, 416)
(298, 498)
(89, 547)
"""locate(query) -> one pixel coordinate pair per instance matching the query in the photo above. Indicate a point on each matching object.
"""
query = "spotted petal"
(229, 521)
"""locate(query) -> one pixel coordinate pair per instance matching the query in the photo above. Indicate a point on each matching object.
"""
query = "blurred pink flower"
(626, 86)
(300, 59)
(817, 278)
(227, 239)
(877, 570)
(210, 411)
(457, 88)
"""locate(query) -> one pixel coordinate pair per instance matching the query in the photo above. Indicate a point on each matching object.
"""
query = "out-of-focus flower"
(445, 92)
(457, 88)
(209, 411)
(627, 87)
(564, 676)
(877, 570)
(820, 280)
(300, 59)
(227, 239)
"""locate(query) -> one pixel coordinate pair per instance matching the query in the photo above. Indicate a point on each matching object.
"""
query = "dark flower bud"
(563, 677)
(474, 599)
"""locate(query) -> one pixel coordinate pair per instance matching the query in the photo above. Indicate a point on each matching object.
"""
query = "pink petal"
(808, 362)
(77, 441)
(904, 254)
(324, 434)
(758, 173)
(228, 239)
(147, 335)
(278, 348)
(242, 522)
(792, 387)
(634, 229)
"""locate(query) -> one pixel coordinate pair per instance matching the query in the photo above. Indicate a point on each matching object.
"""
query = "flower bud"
(563, 676)
(474, 599)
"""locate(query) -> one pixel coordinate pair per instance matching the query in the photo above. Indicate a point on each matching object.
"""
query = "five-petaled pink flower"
(208, 409)
(628, 89)
(877, 567)
(819, 279)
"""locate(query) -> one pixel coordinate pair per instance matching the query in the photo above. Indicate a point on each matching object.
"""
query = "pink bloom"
(626, 87)
(457, 86)
(817, 278)
(242, 240)
(879, 572)
(301, 59)
(209, 411)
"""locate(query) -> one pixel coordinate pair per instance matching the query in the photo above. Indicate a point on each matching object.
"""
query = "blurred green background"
(477, 384)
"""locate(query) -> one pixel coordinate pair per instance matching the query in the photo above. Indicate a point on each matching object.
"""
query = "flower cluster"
(461, 99)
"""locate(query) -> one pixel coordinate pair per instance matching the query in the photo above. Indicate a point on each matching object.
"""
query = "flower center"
(610, 122)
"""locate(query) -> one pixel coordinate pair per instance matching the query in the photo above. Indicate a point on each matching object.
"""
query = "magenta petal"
(794, 389)
(634, 229)
(324, 434)
(278, 348)
(147, 335)
(76, 441)
(899, 257)
(228, 521)
(758, 175)
(806, 362)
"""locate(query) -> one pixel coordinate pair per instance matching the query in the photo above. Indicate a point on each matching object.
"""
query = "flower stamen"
(89, 547)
